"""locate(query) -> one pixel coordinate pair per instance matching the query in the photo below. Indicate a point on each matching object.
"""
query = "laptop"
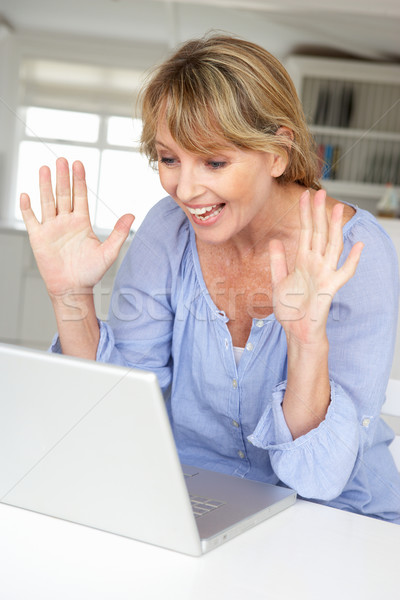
(91, 443)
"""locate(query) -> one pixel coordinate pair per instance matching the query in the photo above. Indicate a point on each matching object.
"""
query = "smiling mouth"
(206, 212)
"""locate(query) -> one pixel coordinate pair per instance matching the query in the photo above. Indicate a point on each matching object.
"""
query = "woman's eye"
(167, 161)
(216, 164)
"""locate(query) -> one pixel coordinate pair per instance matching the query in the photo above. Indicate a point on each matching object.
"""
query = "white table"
(306, 552)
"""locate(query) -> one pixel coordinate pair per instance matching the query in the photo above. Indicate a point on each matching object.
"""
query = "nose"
(189, 185)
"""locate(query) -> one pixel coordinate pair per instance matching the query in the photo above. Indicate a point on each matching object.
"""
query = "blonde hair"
(220, 89)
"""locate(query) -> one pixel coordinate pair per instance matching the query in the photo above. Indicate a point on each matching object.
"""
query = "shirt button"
(249, 346)
(240, 454)
(234, 384)
(260, 324)
(226, 344)
(366, 422)
(235, 423)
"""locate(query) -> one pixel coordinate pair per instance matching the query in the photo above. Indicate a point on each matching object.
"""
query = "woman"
(230, 289)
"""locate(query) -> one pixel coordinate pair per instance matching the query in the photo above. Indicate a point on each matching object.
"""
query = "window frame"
(102, 144)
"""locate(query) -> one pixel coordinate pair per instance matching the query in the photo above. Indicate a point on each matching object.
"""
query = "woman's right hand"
(70, 258)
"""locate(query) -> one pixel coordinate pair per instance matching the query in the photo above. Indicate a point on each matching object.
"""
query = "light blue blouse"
(229, 418)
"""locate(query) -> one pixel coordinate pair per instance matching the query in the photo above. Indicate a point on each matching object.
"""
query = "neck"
(278, 221)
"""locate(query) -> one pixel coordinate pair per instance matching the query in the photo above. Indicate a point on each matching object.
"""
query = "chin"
(212, 236)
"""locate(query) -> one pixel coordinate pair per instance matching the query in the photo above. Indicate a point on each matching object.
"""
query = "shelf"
(351, 189)
(353, 111)
(355, 133)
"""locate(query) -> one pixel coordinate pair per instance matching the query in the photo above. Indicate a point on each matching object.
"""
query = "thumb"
(113, 244)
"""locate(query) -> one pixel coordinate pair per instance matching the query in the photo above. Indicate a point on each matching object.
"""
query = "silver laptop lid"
(67, 438)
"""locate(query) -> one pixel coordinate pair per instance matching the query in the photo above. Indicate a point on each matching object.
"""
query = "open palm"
(302, 298)
(69, 256)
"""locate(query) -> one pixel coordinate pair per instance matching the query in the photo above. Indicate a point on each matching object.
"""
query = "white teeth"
(201, 211)
(214, 214)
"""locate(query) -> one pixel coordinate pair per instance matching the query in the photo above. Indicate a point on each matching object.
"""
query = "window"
(84, 111)
(119, 178)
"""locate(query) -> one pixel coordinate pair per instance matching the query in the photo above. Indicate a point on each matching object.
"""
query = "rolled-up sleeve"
(319, 463)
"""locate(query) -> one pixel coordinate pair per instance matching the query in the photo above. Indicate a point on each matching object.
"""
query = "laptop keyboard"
(201, 505)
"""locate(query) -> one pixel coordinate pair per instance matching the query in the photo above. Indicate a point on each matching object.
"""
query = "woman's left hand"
(302, 298)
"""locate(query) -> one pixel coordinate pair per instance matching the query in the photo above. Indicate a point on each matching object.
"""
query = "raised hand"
(70, 258)
(303, 297)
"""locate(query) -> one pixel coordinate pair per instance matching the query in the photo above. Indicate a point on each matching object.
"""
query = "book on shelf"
(334, 105)
(383, 168)
(322, 107)
(328, 155)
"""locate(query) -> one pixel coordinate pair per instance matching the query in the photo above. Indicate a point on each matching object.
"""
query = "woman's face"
(222, 195)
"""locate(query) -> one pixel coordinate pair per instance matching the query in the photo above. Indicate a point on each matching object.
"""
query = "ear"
(280, 161)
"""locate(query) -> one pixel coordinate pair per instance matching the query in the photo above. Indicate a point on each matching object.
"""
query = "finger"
(79, 189)
(112, 245)
(277, 257)
(320, 223)
(46, 194)
(28, 215)
(348, 269)
(306, 227)
(63, 187)
(335, 244)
